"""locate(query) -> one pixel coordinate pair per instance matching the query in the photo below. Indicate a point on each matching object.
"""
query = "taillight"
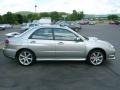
(6, 41)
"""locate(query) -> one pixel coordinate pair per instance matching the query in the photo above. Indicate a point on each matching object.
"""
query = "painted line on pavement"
(2, 44)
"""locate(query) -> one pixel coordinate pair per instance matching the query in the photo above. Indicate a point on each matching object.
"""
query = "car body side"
(89, 45)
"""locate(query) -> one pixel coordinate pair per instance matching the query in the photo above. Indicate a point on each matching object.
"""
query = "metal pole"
(35, 8)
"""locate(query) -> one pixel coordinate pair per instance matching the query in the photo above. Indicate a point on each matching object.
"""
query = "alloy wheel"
(96, 58)
(25, 58)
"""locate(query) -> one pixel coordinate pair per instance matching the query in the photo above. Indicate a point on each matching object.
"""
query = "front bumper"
(111, 57)
(111, 54)
(9, 52)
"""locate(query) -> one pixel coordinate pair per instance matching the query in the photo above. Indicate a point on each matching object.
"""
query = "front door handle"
(60, 43)
(32, 42)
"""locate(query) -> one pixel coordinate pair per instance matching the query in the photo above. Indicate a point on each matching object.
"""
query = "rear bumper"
(9, 53)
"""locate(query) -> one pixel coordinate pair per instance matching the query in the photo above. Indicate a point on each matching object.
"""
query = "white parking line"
(2, 44)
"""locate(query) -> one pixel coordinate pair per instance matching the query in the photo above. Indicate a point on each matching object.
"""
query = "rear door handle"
(60, 43)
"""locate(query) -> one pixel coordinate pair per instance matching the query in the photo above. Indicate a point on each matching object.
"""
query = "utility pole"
(35, 8)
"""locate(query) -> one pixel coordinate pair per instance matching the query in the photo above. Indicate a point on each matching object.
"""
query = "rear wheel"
(25, 57)
(96, 57)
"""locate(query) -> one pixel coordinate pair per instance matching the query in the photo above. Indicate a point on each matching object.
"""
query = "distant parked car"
(92, 22)
(27, 26)
(84, 22)
(2, 27)
(5, 26)
(57, 43)
(115, 22)
(75, 26)
(45, 20)
(111, 22)
(8, 26)
(62, 23)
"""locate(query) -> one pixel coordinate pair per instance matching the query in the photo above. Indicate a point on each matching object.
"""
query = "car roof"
(31, 30)
(50, 26)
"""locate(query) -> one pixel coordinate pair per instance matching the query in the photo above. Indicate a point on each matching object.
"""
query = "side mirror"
(77, 39)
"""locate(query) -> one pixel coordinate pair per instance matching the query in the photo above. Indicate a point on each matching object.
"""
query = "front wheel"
(25, 57)
(96, 57)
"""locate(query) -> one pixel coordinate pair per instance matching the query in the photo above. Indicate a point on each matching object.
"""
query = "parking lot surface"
(15, 28)
(63, 75)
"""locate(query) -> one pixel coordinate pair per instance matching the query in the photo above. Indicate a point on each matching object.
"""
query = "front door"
(66, 46)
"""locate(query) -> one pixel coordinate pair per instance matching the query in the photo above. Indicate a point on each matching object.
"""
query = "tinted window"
(43, 34)
(62, 34)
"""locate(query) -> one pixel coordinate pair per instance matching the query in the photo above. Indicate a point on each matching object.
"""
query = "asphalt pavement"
(63, 75)
(16, 28)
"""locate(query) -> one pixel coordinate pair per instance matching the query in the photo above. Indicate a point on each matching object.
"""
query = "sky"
(87, 6)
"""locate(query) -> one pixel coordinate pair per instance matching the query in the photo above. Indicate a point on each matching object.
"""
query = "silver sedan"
(52, 42)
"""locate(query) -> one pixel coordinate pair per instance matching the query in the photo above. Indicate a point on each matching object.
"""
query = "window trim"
(53, 35)
(62, 39)
(30, 37)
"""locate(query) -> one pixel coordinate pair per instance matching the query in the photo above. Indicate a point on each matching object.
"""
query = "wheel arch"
(22, 50)
(97, 49)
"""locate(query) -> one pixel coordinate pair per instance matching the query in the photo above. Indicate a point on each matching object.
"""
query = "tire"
(25, 57)
(3, 28)
(96, 57)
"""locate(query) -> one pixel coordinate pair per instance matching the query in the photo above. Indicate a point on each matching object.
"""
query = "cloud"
(88, 6)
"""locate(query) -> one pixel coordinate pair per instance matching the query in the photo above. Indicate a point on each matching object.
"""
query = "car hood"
(93, 39)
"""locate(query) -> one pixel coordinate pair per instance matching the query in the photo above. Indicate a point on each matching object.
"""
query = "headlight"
(111, 46)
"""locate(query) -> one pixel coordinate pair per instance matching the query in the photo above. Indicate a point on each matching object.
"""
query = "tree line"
(113, 17)
(14, 18)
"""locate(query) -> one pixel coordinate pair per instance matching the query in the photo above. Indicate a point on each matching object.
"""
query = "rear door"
(42, 43)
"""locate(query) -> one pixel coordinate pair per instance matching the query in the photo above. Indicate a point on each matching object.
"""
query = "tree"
(80, 15)
(35, 16)
(76, 15)
(19, 18)
(9, 18)
(54, 15)
(29, 17)
(25, 19)
(1, 19)
(44, 14)
(112, 17)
